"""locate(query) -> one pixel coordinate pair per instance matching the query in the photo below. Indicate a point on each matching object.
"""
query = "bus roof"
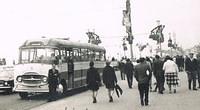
(59, 43)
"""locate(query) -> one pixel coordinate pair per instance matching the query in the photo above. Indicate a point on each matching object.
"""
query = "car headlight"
(19, 79)
(44, 79)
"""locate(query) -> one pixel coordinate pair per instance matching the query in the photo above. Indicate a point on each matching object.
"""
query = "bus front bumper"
(31, 89)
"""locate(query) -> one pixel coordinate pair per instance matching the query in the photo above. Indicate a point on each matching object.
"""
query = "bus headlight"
(44, 79)
(19, 79)
(5, 83)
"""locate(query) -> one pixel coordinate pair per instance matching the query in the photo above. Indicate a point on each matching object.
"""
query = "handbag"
(59, 88)
(118, 89)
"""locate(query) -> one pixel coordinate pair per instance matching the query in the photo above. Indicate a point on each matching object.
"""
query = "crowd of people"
(163, 69)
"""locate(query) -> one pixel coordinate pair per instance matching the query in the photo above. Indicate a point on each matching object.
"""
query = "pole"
(131, 50)
(124, 54)
(171, 51)
(160, 46)
(129, 28)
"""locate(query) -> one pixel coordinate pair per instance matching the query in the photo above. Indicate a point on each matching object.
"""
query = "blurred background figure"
(121, 68)
(128, 70)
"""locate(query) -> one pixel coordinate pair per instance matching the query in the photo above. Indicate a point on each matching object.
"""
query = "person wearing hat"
(53, 81)
(93, 80)
(191, 70)
(109, 79)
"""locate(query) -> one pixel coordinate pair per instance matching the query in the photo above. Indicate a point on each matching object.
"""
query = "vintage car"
(6, 78)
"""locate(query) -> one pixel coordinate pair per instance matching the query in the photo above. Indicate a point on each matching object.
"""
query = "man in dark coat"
(191, 70)
(93, 80)
(143, 77)
(53, 81)
(198, 68)
(70, 65)
(159, 74)
(109, 79)
(121, 68)
(128, 70)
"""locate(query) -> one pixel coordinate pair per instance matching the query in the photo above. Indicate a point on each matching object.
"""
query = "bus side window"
(76, 54)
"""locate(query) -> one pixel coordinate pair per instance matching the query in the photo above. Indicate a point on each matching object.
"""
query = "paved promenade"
(184, 99)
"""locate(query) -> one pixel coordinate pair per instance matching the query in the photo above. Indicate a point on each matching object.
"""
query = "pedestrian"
(191, 70)
(109, 79)
(143, 75)
(121, 68)
(93, 80)
(159, 74)
(198, 68)
(53, 81)
(181, 63)
(148, 61)
(171, 73)
(70, 66)
(178, 62)
(128, 70)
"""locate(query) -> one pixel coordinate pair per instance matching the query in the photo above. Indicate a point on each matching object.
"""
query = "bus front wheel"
(23, 95)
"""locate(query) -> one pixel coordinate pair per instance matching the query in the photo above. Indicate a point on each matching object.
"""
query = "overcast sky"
(25, 19)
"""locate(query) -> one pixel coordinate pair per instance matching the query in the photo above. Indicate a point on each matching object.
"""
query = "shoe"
(163, 89)
(189, 87)
(174, 90)
(94, 100)
(111, 99)
(195, 89)
(161, 92)
(49, 101)
(170, 91)
(142, 103)
(154, 91)
(146, 104)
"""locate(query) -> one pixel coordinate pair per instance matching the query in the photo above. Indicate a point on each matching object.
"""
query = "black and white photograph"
(99, 55)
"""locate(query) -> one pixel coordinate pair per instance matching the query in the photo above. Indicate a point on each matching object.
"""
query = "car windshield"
(37, 55)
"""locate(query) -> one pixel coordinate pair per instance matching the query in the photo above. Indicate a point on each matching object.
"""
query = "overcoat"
(109, 77)
(93, 79)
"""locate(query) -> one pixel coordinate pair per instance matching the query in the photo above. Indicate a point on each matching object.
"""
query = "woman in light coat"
(171, 73)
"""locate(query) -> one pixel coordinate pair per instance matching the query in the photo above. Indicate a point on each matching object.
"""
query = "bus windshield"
(37, 55)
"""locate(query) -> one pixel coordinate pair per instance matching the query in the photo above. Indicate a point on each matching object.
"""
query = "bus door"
(70, 65)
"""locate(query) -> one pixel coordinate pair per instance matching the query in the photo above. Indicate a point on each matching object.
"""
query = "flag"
(156, 34)
(141, 48)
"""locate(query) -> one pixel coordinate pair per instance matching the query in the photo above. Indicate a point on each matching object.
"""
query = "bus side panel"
(77, 78)
(83, 80)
